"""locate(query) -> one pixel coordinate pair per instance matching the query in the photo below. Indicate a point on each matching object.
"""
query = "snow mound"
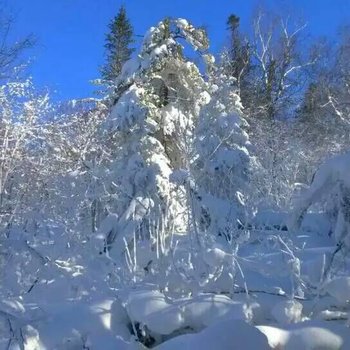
(216, 257)
(163, 316)
(339, 288)
(225, 335)
(151, 308)
(308, 336)
(204, 310)
(287, 311)
(96, 325)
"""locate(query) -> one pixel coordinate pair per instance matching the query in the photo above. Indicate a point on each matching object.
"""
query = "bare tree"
(280, 65)
(11, 51)
(323, 122)
(20, 111)
(339, 94)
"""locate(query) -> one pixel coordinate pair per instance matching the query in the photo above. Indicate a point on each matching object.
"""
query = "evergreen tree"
(118, 42)
(238, 56)
(153, 120)
(222, 165)
(310, 102)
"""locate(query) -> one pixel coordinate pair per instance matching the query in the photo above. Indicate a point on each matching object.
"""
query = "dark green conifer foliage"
(239, 52)
(118, 45)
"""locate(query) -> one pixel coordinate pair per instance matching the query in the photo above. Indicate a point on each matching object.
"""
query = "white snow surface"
(307, 336)
(152, 309)
(287, 311)
(339, 288)
(224, 335)
(163, 316)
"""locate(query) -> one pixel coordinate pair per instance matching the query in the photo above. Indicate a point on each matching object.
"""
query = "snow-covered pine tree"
(223, 163)
(153, 120)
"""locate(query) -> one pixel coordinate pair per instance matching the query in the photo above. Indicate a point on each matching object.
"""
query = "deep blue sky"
(71, 33)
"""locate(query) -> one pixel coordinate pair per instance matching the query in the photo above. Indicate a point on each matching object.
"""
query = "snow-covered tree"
(153, 120)
(223, 164)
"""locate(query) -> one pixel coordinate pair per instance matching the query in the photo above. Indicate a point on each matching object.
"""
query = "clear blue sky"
(71, 33)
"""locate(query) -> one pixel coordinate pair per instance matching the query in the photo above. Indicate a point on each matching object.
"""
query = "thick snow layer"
(216, 257)
(316, 223)
(287, 311)
(161, 316)
(204, 310)
(339, 288)
(79, 322)
(151, 308)
(334, 170)
(173, 119)
(128, 111)
(129, 69)
(225, 335)
(182, 23)
(308, 336)
(128, 224)
(72, 325)
(329, 315)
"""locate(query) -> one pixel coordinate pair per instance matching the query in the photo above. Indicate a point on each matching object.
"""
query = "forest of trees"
(165, 181)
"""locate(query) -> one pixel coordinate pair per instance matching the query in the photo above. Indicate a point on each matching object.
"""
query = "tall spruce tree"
(118, 42)
(238, 60)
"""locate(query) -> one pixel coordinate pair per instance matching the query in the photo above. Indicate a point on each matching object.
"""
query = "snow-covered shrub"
(47, 165)
(331, 187)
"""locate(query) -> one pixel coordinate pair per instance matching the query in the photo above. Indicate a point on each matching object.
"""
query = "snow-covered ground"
(287, 305)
